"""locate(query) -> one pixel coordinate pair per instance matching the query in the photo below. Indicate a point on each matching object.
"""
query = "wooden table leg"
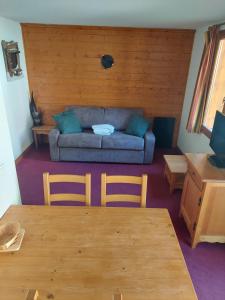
(35, 140)
(172, 183)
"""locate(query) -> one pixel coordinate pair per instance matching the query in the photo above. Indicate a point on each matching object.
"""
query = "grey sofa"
(87, 146)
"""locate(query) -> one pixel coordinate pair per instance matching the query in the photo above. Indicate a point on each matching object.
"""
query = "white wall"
(16, 93)
(190, 142)
(9, 190)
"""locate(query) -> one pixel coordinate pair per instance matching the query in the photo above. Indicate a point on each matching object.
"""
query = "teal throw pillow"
(137, 126)
(67, 122)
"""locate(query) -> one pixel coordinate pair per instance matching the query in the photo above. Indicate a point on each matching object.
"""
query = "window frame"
(204, 129)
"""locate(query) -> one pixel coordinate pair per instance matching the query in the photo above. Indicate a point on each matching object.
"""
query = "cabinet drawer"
(195, 176)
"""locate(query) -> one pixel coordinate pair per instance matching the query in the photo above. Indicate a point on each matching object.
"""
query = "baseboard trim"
(23, 153)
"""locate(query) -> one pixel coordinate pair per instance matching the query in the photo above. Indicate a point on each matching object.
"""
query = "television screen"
(217, 141)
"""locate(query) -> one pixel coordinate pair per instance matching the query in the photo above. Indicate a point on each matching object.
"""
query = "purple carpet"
(206, 263)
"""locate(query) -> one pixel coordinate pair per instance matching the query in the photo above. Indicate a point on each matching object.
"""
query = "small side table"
(40, 130)
(175, 170)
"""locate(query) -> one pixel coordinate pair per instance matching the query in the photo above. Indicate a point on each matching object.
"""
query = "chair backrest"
(141, 180)
(48, 179)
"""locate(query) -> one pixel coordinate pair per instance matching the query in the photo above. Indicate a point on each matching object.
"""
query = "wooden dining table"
(85, 253)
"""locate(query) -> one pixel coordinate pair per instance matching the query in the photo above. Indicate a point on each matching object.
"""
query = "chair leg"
(103, 189)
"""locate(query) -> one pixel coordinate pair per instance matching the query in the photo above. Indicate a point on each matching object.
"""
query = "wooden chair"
(142, 180)
(48, 179)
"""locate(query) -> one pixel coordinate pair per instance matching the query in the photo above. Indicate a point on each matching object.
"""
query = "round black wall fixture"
(107, 61)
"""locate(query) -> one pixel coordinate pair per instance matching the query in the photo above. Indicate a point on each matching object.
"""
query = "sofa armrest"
(149, 146)
(53, 144)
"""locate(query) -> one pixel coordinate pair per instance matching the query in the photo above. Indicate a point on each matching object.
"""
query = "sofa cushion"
(88, 115)
(67, 122)
(80, 140)
(119, 117)
(120, 140)
(137, 126)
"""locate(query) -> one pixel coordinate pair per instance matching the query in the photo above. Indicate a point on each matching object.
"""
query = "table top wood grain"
(93, 253)
(176, 163)
(43, 129)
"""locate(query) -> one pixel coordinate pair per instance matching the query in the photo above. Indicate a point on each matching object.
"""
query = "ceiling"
(130, 13)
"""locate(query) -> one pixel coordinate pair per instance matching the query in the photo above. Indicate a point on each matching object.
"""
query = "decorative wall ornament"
(36, 115)
(12, 59)
(107, 61)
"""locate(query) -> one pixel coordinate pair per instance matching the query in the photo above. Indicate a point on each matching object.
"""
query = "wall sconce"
(107, 61)
(12, 59)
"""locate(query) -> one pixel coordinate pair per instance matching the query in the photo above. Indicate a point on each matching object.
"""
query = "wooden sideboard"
(203, 200)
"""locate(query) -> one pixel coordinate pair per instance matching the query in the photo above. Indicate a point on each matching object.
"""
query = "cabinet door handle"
(199, 201)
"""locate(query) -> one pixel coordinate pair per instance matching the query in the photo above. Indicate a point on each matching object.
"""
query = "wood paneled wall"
(150, 70)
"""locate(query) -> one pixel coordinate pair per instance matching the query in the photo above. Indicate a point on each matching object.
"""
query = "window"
(216, 96)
